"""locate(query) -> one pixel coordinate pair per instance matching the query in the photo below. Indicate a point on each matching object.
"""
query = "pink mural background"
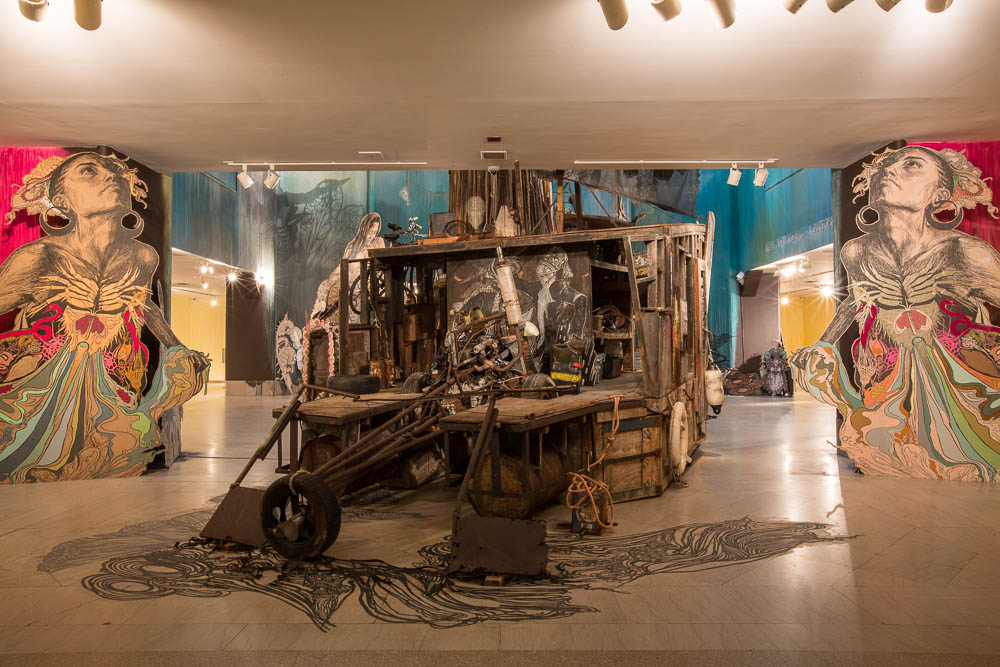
(986, 156)
(15, 164)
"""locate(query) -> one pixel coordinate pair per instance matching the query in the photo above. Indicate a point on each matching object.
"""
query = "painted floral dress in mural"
(927, 362)
(75, 411)
(929, 380)
(72, 370)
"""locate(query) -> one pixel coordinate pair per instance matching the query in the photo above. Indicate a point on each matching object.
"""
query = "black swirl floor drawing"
(150, 536)
(424, 593)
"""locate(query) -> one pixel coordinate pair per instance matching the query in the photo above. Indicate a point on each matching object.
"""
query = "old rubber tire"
(538, 381)
(678, 438)
(415, 383)
(318, 513)
(356, 384)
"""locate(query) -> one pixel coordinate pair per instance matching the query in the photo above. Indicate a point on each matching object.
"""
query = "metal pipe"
(363, 442)
(272, 437)
(356, 457)
(477, 455)
(347, 475)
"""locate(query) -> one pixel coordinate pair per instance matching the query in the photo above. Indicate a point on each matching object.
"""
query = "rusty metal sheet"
(238, 518)
(493, 545)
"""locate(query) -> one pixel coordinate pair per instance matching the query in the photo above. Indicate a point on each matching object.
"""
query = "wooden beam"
(559, 205)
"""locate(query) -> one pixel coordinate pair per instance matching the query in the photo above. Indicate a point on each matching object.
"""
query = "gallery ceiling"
(185, 84)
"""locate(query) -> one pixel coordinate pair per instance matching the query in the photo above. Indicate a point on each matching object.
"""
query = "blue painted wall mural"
(791, 214)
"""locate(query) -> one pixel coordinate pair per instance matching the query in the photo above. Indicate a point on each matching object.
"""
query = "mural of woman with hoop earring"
(82, 292)
(925, 399)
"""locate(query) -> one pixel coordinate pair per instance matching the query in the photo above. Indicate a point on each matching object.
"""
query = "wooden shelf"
(608, 265)
(613, 335)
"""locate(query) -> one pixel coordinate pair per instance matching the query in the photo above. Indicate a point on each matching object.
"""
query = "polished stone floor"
(917, 580)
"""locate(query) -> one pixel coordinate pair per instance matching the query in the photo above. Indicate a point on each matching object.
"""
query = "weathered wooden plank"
(341, 410)
(522, 414)
(645, 233)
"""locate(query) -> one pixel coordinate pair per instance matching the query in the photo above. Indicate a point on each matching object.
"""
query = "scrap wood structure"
(524, 361)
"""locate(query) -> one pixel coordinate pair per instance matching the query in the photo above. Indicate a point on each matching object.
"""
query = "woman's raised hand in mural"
(813, 364)
(200, 360)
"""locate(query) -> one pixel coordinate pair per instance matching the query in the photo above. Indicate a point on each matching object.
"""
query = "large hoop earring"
(56, 231)
(134, 232)
(863, 224)
(950, 224)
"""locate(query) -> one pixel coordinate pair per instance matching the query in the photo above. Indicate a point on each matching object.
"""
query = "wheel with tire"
(300, 516)
(415, 383)
(356, 384)
(679, 436)
(538, 381)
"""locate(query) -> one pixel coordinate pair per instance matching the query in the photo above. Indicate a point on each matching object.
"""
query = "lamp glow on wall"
(87, 13)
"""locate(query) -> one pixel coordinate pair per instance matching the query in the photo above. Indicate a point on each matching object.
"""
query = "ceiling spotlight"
(725, 12)
(784, 300)
(204, 285)
(836, 5)
(211, 269)
(260, 278)
(760, 176)
(826, 291)
(734, 176)
(933, 6)
(794, 5)
(272, 178)
(668, 9)
(33, 10)
(213, 303)
(886, 4)
(87, 13)
(788, 270)
(204, 268)
(615, 13)
(232, 277)
(244, 178)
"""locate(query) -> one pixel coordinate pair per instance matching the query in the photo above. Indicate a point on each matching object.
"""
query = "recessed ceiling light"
(372, 155)
(615, 13)
(836, 5)
(725, 12)
(87, 13)
(667, 9)
(33, 10)
(935, 6)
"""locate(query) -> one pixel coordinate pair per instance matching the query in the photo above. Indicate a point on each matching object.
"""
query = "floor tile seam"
(860, 565)
(960, 570)
(235, 635)
(858, 607)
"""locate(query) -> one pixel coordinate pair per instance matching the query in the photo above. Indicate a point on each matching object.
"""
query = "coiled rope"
(582, 487)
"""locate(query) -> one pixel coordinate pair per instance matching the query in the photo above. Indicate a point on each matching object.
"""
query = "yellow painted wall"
(804, 318)
(201, 326)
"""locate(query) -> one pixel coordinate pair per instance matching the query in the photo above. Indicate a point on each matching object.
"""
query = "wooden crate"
(636, 463)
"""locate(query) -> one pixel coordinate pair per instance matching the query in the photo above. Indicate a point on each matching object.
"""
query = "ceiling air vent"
(493, 155)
